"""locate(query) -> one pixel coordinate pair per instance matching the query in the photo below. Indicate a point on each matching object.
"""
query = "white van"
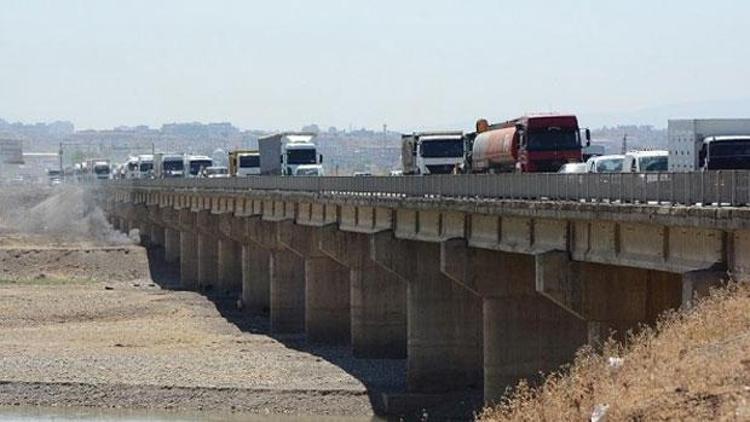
(605, 164)
(645, 161)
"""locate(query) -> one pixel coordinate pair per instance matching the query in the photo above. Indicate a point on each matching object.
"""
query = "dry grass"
(694, 365)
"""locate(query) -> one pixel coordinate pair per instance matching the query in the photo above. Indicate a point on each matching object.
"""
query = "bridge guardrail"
(715, 188)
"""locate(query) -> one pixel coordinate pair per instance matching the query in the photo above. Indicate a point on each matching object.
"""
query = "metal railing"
(716, 188)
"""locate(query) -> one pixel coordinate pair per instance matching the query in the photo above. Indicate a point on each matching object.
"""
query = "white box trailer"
(690, 143)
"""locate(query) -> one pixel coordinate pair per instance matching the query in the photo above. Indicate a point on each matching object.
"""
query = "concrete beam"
(610, 298)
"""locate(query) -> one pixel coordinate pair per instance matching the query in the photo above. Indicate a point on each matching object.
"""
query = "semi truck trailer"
(708, 144)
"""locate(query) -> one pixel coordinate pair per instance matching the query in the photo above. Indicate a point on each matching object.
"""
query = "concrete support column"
(327, 317)
(207, 261)
(255, 279)
(189, 260)
(157, 235)
(229, 266)
(377, 297)
(171, 245)
(444, 319)
(523, 335)
(144, 230)
(326, 285)
(287, 295)
(125, 226)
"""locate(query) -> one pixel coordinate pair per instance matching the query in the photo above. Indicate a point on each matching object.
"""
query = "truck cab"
(195, 164)
(300, 151)
(145, 166)
(244, 163)
(432, 152)
(172, 165)
(101, 169)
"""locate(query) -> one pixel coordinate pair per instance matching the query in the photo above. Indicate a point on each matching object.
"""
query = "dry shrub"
(692, 365)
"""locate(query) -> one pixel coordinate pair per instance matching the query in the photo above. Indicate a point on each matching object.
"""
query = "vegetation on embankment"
(694, 365)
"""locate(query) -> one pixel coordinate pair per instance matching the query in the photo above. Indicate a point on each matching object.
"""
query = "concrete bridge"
(477, 281)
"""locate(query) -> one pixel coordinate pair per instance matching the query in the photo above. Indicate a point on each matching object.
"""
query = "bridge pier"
(208, 250)
(255, 278)
(144, 232)
(171, 245)
(287, 293)
(156, 235)
(327, 315)
(229, 263)
(189, 260)
(444, 342)
(524, 333)
(377, 296)
(286, 272)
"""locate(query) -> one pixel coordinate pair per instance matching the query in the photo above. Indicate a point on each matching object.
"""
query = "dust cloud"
(65, 213)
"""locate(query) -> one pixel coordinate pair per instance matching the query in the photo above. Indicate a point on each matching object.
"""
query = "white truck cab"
(432, 152)
(195, 164)
(145, 166)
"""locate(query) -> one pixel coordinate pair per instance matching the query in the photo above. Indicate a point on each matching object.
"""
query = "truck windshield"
(176, 165)
(730, 148)
(443, 148)
(197, 165)
(249, 161)
(654, 163)
(729, 155)
(301, 156)
(145, 167)
(101, 169)
(553, 139)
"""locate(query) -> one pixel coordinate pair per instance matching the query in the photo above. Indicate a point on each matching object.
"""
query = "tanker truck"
(533, 143)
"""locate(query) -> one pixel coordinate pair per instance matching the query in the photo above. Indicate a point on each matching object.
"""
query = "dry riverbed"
(82, 323)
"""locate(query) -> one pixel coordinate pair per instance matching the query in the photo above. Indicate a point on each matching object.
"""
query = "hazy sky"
(411, 64)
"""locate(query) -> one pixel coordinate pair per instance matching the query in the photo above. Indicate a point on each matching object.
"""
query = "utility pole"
(625, 144)
(60, 156)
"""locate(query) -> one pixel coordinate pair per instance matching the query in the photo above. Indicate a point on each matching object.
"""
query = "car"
(605, 164)
(214, 172)
(362, 174)
(568, 168)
